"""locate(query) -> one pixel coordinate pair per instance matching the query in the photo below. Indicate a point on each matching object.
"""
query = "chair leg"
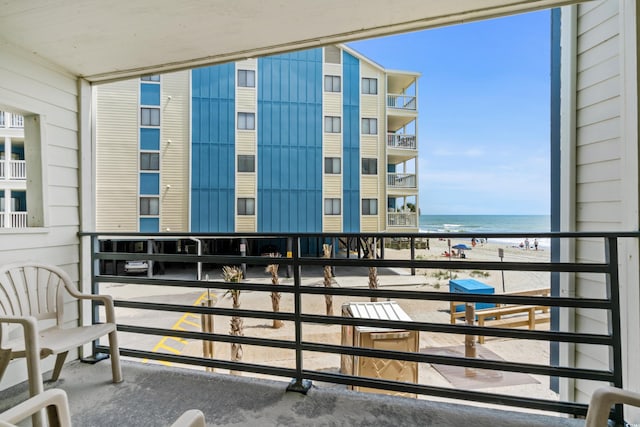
(5, 358)
(60, 358)
(116, 370)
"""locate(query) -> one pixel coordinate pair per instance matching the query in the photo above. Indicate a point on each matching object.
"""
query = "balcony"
(402, 141)
(309, 348)
(402, 219)
(402, 180)
(401, 102)
(13, 220)
(11, 120)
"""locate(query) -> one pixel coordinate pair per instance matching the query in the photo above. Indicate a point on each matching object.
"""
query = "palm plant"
(234, 274)
(275, 296)
(373, 271)
(328, 299)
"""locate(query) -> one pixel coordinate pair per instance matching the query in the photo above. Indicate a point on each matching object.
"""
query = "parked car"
(136, 267)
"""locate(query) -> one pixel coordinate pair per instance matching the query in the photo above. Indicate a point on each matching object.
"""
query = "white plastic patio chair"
(32, 300)
(603, 399)
(57, 405)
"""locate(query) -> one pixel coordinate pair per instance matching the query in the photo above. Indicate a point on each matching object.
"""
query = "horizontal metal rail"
(298, 345)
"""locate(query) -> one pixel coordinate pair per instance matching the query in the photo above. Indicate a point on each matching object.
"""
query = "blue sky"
(483, 129)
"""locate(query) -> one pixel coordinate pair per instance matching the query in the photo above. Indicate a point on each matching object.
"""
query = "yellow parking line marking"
(176, 327)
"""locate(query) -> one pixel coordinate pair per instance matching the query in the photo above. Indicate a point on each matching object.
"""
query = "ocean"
(487, 224)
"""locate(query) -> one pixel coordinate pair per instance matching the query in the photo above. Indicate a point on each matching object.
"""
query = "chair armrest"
(191, 418)
(106, 300)
(603, 399)
(30, 329)
(55, 398)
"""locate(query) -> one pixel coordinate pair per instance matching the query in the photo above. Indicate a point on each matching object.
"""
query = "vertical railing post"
(413, 254)
(298, 384)
(95, 309)
(613, 293)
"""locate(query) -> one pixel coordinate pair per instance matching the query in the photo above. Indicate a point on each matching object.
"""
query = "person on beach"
(535, 244)
(526, 243)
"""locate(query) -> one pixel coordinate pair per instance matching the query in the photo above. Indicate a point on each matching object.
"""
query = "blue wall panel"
(149, 139)
(351, 143)
(149, 225)
(290, 142)
(213, 152)
(150, 183)
(149, 94)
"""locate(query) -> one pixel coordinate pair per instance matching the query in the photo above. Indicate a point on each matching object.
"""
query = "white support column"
(8, 208)
(7, 158)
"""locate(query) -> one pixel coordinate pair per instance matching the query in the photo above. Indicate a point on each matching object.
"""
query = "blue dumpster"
(471, 286)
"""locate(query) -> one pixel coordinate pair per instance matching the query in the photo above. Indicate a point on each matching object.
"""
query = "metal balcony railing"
(403, 141)
(402, 102)
(402, 219)
(401, 180)
(301, 345)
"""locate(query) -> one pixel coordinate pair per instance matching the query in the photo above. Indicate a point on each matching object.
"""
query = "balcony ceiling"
(106, 40)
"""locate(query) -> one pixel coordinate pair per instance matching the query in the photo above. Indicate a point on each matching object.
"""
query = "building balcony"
(11, 120)
(17, 170)
(402, 102)
(13, 220)
(402, 180)
(186, 322)
(402, 219)
(402, 141)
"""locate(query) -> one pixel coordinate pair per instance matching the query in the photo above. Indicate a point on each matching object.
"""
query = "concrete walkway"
(153, 395)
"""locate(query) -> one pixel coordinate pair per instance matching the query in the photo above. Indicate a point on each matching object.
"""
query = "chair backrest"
(31, 289)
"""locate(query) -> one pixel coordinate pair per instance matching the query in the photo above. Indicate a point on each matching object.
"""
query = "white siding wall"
(117, 154)
(29, 87)
(332, 147)
(174, 155)
(606, 170)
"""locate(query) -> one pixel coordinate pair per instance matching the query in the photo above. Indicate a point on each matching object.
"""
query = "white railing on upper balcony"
(1, 169)
(403, 102)
(404, 141)
(2, 113)
(17, 121)
(18, 169)
(13, 220)
(402, 219)
(401, 180)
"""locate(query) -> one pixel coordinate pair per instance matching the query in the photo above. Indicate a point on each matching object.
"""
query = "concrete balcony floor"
(154, 395)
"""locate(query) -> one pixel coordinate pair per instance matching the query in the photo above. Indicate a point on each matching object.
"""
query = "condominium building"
(13, 176)
(322, 140)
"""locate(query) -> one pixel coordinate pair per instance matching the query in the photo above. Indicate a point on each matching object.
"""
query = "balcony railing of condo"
(298, 290)
(13, 220)
(2, 119)
(403, 141)
(401, 180)
(402, 219)
(402, 102)
(18, 169)
(17, 121)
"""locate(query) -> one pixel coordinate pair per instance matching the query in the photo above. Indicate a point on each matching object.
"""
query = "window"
(369, 166)
(332, 83)
(246, 78)
(246, 206)
(246, 121)
(149, 206)
(332, 165)
(369, 126)
(332, 206)
(149, 161)
(150, 78)
(150, 116)
(246, 163)
(332, 124)
(369, 206)
(369, 86)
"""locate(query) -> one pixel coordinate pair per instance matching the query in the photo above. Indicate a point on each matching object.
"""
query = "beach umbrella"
(461, 246)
